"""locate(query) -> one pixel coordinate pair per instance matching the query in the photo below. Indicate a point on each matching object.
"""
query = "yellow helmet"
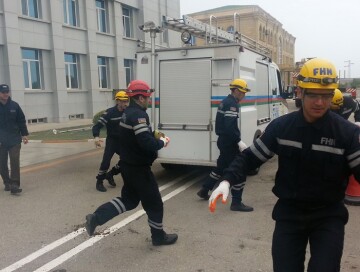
(239, 84)
(318, 74)
(338, 100)
(122, 96)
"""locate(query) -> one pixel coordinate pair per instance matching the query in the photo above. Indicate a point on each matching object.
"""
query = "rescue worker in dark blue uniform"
(229, 137)
(138, 150)
(111, 119)
(317, 151)
(13, 131)
(345, 106)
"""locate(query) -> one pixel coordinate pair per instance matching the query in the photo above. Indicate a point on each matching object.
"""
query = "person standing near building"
(13, 131)
(138, 150)
(229, 137)
(345, 106)
(317, 151)
(110, 119)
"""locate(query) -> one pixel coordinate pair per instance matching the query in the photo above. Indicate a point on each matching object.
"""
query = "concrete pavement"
(51, 126)
(36, 152)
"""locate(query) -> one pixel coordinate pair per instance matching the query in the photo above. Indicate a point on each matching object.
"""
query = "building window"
(129, 66)
(280, 51)
(103, 64)
(127, 22)
(70, 12)
(101, 15)
(30, 8)
(31, 67)
(71, 71)
(260, 33)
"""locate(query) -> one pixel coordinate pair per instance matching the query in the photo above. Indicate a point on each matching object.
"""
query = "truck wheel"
(168, 166)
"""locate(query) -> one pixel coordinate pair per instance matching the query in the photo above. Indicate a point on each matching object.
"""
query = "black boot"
(203, 193)
(164, 239)
(15, 188)
(240, 207)
(7, 187)
(110, 178)
(100, 186)
(91, 224)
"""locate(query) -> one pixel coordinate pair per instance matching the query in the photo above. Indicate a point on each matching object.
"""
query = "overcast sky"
(323, 28)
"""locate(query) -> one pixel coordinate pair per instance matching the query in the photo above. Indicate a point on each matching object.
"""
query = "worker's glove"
(158, 134)
(97, 142)
(222, 190)
(357, 123)
(25, 139)
(166, 140)
(242, 146)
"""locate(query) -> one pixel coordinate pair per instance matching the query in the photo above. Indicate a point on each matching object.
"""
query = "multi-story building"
(62, 58)
(255, 23)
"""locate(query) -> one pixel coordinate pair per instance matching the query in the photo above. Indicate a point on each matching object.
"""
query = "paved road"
(42, 230)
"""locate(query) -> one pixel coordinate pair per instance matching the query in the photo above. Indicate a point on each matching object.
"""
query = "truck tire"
(168, 166)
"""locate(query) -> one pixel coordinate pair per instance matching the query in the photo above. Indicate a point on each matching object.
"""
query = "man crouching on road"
(317, 151)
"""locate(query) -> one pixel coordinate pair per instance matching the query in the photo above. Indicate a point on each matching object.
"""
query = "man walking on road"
(317, 151)
(13, 131)
(110, 119)
(138, 150)
(228, 142)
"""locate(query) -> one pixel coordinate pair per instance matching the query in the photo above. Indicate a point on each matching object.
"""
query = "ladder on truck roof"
(210, 33)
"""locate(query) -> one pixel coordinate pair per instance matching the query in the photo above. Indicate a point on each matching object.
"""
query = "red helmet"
(136, 87)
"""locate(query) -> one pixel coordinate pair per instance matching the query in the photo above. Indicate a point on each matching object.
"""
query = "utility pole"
(349, 63)
(150, 27)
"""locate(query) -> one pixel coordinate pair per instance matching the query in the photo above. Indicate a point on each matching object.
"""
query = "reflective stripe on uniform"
(126, 126)
(354, 159)
(257, 153)
(354, 163)
(238, 187)
(102, 121)
(289, 143)
(116, 118)
(213, 175)
(141, 128)
(347, 111)
(118, 205)
(264, 147)
(155, 225)
(329, 149)
(231, 114)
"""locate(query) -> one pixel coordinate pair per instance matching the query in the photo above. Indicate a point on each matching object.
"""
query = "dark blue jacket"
(12, 124)
(138, 144)
(314, 160)
(350, 106)
(226, 124)
(111, 120)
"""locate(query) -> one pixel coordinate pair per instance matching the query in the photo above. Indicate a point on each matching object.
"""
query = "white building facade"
(63, 58)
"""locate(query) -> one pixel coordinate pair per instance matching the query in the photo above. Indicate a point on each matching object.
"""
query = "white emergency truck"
(191, 81)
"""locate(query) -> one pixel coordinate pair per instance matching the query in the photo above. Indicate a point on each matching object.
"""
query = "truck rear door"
(184, 109)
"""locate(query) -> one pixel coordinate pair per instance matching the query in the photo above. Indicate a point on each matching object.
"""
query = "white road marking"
(74, 234)
(66, 256)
